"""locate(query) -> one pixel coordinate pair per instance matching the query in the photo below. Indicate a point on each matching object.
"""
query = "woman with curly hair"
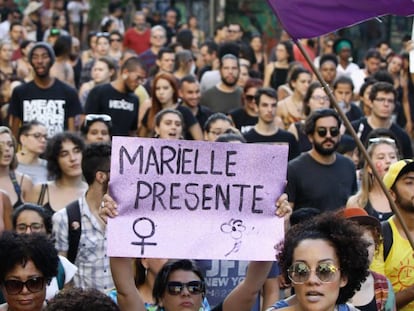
(326, 260)
(64, 165)
(27, 264)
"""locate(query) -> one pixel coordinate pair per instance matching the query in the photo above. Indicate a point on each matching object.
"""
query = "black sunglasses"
(323, 131)
(34, 285)
(249, 98)
(193, 287)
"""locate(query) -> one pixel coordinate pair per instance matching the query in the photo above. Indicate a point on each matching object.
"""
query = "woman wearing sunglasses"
(34, 219)
(326, 260)
(27, 264)
(97, 128)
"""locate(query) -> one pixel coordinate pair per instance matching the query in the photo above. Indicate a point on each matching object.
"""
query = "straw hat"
(32, 7)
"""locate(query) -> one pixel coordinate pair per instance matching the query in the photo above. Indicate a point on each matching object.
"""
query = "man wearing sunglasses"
(321, 178)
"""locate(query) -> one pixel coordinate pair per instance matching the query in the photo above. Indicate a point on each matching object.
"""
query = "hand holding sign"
(188, 190)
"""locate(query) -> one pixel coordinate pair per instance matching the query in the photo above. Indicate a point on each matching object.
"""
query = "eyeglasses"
(37, 136)
(158, 37)
(193, 287)
(34, 285)
(233, 30)
(378, 140)
(34, 227)
(300, 272)
(383, 100)
(323, 131)
(249, 98)
(320, 98)
(115, 40)
(97, 117)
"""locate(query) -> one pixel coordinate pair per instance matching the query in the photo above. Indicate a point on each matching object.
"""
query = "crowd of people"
(66, 90)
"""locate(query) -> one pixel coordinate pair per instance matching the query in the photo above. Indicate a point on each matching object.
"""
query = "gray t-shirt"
(219, 101)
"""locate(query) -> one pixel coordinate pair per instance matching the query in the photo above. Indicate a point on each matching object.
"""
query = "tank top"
(17, 189)
(278, 77)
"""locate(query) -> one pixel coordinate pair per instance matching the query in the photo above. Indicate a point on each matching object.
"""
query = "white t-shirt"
(70, 270)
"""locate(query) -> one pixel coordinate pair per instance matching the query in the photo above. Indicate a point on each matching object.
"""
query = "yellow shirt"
(399, 265)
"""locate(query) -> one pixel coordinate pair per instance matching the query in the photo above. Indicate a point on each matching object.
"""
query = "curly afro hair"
(78, 299)
(346, 238)
(18, 249)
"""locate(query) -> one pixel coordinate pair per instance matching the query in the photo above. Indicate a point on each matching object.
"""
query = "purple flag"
(313, 18)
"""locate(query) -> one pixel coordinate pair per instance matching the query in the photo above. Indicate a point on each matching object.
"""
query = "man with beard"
(382, 103)
(265, 130)
(190, 95)
(395, 258)
(321, 178)
(118, 100)
(90, 254)
(138, 38)
(45, 99)
(226, 95)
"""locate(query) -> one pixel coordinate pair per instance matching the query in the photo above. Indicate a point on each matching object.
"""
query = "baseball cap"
(360, 216)
(396, 170)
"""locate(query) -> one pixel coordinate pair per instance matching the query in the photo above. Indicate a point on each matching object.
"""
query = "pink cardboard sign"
(198, 200)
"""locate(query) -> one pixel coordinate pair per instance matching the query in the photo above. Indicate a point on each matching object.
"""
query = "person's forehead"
(167, 56)
(326, 121)
(234, 26)
(264, 98)
(190, 86)
(40, 50)
(385, 94)
(229, 62)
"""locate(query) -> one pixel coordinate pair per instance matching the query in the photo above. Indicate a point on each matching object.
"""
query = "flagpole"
(361, 147)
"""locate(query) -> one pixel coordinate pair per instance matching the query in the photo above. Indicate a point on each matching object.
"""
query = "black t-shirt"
(189, 120)
(122, 107)
(243, 121)
(202, 115)
(325, 187)
(51, 106)
(354, 113)
(281, 136)
(362, 128)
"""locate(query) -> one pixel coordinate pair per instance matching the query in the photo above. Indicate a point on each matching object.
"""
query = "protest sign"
(199, 200)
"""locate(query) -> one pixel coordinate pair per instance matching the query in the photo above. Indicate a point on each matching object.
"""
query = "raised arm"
(129, 298)
(244, 295)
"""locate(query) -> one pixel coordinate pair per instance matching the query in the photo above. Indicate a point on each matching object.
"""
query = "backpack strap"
(42, 195)
(74, 229)
(61, 275)
(386, 238)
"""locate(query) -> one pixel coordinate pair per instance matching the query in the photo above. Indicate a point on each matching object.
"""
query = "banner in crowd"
(309, 19)
(193, 199)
